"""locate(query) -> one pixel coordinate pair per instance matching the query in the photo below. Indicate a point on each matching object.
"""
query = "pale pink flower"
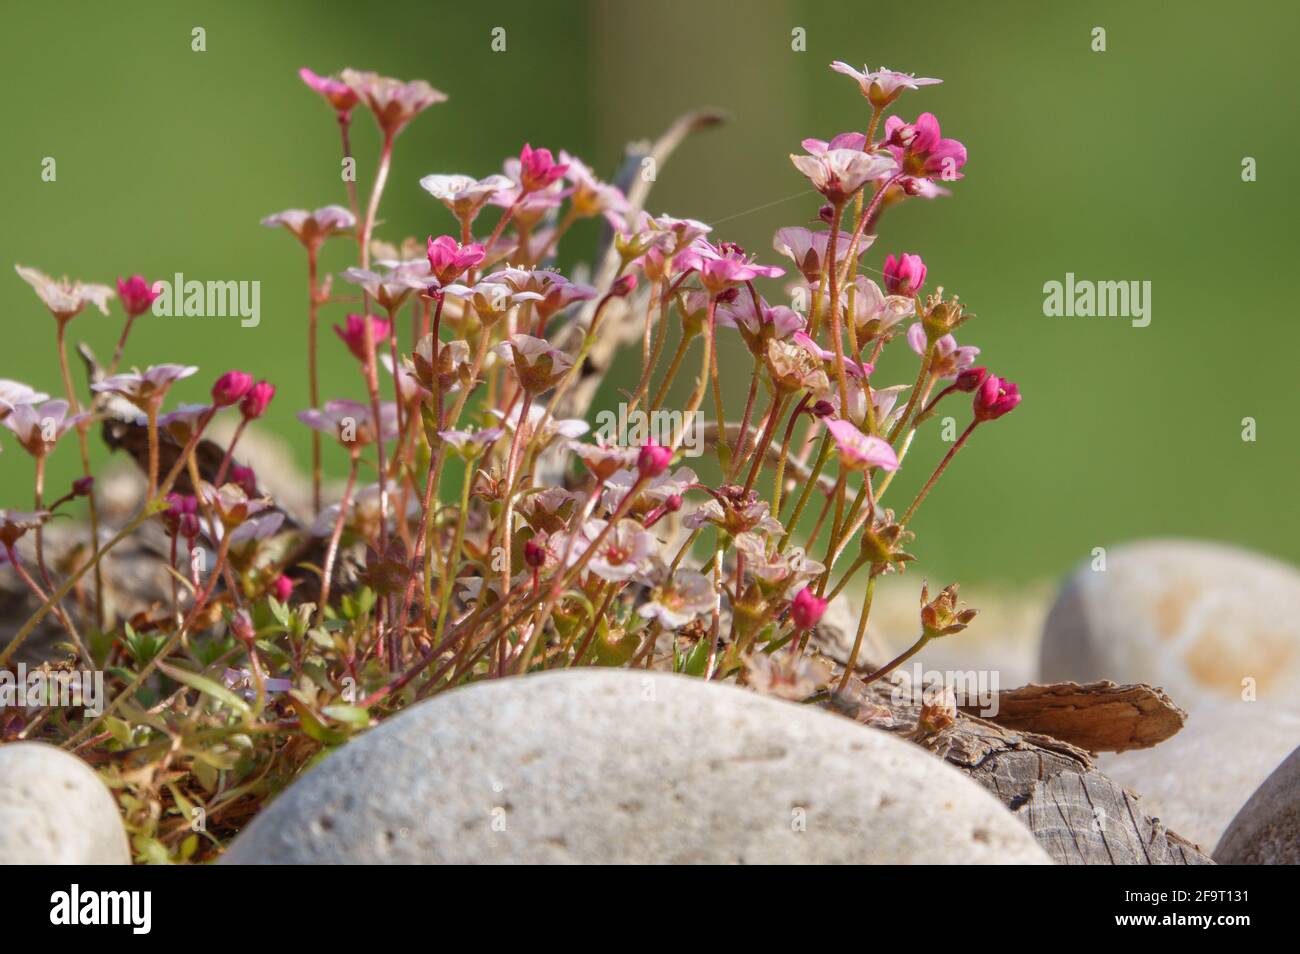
(883, 86)
(590, 196)
(770, 322)
(950, 359)
(855, 141)
(351, 422)
(390, 288)
(859, 451)
(471, 443)
(62, 296)
(464, 196)
(874, 314)
(809, 249)
(313, 228)
(39, 426)
(681, 598)
(555, 427)
(537, 364)
(394, 103)
(147, 388)
(14, 393)
(839, 173)
(490, 300)
(15, 523)
(625, 553)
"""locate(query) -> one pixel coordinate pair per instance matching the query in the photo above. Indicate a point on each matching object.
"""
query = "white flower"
(684, 596)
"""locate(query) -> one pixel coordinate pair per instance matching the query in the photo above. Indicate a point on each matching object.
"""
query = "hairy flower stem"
(313, 381)
(59, 613)
(83, 447)
(779, 484)
(837, 332)
(345, 120)
(332, 550)
(922, 373)
(943, 464)
(898, 660)
(814, 480)
(773, 418)
(230, 451)
(673, 366)
(862, 629)
(121, 346)
(507, 509)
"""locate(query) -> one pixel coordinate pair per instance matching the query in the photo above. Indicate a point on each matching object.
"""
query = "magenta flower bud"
(538, 168)
(230, 387)
(673, 503)
(354, 335)
(534, 554)
(904, 275)
(136, 294)
(282, 587)
(448, 259)
(970, 379)
(806, 609)
(624, 286)
(188, 526)
(728, 295)
(995, 397)
(822, 409)
(826, 213)
(653, 459)
(245, 478)
(82, 486)
(255, 401)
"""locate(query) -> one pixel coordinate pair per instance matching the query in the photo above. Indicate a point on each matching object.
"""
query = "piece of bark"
(1097, 716)
(1076, 812)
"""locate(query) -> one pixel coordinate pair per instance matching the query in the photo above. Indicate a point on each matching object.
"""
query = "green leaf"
(698, 659)
(343, 713)
(207, 687)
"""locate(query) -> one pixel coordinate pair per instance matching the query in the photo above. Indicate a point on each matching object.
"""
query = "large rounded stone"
(1267, 829)
(1196, 782)
(1202, 620)
(54, 810)
(611, 766)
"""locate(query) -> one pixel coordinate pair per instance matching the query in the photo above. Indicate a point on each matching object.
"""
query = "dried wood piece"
(1097, 716)
(1077, 813)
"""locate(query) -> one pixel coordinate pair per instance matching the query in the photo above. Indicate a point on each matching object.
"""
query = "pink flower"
(313, 228)
(393, 102)
(859, 451)
(231, 387)
(950, 359)
(245, 479)
(883, 86)
(995, 397)
(448, 259)
(136, 294)
(62, 296)
(904, 275)
(464, 196)
(623, 286)
(336, 92)
(771, 321)
(839, 173)
(182, 515)
(806, 609)
(255, 401)
(809, 249)
(921, 152)
(148, 388)
(354, 335)
(538, 169)
(653, 459)
(725, 265)
(14, 393)
(39, 426)
(351, 422)
(845, 140)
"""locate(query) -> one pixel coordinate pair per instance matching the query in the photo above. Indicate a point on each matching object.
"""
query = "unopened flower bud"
(970, 379)
(282, 587)
(241, 624)
(231, 387)
(806, 609)
(822, 409)
(255, 401)
(82, 486)
(995, 397)
(624, 286)
(826, 213)
(534, 554)
(653, 459)
(673, 503)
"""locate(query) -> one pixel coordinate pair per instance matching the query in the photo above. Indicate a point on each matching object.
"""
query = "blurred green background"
(1121, 165)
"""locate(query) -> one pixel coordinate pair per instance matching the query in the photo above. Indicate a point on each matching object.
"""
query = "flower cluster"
(483, 529)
